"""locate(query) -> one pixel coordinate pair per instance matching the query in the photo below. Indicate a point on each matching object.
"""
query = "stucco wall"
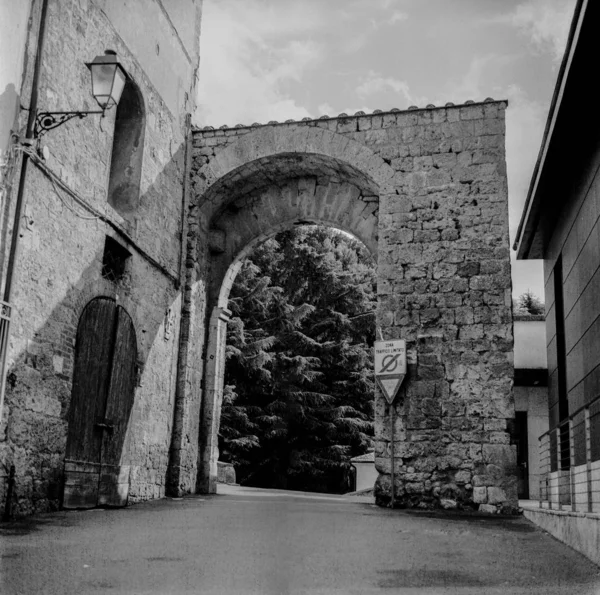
(533, 400)
(530, 344)
(164, 37)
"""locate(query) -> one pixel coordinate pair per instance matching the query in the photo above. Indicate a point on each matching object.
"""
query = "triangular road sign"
(390, 385)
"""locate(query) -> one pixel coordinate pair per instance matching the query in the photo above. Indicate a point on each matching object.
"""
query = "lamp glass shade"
(118, 84)
(108, 80)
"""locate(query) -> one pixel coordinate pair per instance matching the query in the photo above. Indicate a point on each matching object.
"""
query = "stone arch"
(269, 151)
(255, 217)
(265, 181)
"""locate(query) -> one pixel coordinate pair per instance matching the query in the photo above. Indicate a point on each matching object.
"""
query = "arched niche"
(127, 151)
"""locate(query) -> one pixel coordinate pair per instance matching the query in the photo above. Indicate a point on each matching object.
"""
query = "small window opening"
(114, 260)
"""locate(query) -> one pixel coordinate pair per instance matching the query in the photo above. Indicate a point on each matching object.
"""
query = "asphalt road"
(247, 541)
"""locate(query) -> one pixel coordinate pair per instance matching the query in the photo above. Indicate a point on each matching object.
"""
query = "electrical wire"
(56, 182)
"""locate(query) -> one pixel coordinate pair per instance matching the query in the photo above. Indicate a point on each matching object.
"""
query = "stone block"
(488, 508)
(496, 495)
(480, 495)
(448, 504)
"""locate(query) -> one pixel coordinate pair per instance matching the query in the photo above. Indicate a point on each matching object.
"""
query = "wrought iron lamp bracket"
(46, 121)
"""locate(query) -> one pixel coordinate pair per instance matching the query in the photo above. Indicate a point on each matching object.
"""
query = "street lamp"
(108, 82)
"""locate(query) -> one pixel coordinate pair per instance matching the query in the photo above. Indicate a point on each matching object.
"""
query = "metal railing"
(570, 462)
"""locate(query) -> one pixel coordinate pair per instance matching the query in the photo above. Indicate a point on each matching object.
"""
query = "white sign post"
(390, 370)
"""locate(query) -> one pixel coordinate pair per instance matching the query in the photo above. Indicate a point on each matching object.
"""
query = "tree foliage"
(529, 303)
(298, 399)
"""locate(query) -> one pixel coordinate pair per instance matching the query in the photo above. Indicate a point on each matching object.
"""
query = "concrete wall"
(435, 179)
(63, 235)
(366, 475)
(580, 531)
(533, 400)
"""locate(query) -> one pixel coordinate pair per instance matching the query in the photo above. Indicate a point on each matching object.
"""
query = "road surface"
(247, 541)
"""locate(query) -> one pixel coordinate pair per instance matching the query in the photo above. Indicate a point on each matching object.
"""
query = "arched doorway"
(101, 401)
(252, 203)
(298, 398)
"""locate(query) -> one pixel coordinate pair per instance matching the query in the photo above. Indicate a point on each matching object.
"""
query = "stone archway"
(290, 179)
(428, 189)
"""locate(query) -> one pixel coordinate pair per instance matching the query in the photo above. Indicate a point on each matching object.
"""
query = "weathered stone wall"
(445, 287)
(439, 177)
(67, 219)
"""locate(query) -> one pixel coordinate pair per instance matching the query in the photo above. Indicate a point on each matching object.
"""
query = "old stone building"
(135, 225)
(97, 255)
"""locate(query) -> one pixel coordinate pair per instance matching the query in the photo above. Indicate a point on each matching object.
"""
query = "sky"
(264, 60)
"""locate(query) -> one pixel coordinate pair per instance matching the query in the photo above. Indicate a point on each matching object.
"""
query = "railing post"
(572, 466)
(588, 458)
(540, 491)
(544, 481)
(558, 468)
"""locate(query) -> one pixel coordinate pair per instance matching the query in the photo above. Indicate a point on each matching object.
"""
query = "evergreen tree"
(298, 400)
(529, 303)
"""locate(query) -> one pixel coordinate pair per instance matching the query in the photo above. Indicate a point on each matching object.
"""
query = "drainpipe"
(175, 481)
(5, 307)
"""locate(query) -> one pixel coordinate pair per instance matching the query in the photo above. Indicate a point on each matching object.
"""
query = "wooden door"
(101, 401)
(114, 477)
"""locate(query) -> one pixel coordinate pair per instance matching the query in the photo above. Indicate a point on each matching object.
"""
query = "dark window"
(561, 351)
(561, 358)
(127, 151)
(114, 260)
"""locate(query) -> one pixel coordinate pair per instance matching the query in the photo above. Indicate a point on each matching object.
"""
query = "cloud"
(251, 52)
(397, 17)
(473, 84)
(546, 23)
(377, 13)
(386, 87)
(375, 83)
(255, 53)
(326, 109)
(525, 122)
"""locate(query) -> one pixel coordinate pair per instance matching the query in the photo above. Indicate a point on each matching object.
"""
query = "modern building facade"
(560, 224)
